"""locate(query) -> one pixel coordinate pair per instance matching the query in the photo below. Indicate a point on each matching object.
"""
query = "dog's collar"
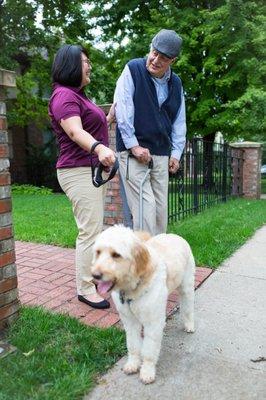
(122, 297)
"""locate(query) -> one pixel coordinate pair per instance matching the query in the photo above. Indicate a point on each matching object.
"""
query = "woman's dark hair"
(67, 65)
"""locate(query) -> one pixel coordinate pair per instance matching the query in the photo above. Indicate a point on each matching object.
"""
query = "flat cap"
(167, 42)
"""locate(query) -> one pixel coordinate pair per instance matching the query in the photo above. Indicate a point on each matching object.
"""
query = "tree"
(222, 63)
(234, 67)
(31, 33)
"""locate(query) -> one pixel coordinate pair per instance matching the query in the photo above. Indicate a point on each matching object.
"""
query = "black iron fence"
(209, 173)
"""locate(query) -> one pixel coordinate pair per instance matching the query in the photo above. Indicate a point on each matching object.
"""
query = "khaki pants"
(88, 208)
(155, 191)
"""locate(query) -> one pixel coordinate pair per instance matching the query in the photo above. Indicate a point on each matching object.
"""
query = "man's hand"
(110, 117)
(173, 165)
(141, 154)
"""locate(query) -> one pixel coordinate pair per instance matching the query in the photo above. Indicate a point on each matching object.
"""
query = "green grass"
(57, 357)
(220, 230)
(44, 219)
(213, 234)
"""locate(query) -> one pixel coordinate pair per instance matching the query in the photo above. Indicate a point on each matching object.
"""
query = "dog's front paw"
(132, 366)
(147, 373)
(189, 327)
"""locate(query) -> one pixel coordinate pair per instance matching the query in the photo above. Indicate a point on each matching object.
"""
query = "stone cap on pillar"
(7, 78)
(246, 144)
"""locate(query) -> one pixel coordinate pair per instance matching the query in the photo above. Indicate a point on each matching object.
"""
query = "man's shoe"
(100, 305)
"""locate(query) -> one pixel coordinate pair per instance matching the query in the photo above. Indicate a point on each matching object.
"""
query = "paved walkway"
(46, 277)
(225, 359)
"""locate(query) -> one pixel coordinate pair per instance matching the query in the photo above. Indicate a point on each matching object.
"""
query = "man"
(151, 123)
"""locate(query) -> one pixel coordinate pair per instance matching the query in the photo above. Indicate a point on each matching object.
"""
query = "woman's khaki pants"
(88, 208)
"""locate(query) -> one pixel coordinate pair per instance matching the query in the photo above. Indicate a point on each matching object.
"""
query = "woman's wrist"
(99, 148)
(94, 146)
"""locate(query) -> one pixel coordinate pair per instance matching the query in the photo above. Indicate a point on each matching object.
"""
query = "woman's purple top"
(67, 102)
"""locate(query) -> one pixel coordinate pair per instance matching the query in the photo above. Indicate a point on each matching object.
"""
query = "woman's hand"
(110, 117)
(106, 156)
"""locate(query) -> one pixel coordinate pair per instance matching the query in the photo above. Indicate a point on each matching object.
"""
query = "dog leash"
(97, 170)
(150, 166)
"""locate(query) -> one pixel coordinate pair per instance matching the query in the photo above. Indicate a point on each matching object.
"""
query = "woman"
(82, 135)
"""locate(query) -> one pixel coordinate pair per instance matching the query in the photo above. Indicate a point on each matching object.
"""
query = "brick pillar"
(251, 168)
(237, 171)
(113, 213)
(9, 304)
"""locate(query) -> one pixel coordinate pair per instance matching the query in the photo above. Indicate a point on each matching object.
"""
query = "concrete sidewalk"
(222, 359)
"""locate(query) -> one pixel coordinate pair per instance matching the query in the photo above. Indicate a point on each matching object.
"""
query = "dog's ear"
(142, 260)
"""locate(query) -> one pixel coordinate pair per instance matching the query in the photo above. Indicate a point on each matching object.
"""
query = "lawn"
(220, 230)
(57, 357)
(46, 218)
(213, 234)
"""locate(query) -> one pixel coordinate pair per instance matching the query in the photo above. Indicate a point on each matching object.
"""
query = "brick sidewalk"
(46, 277)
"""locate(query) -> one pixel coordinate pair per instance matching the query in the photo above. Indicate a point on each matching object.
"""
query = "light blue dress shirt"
(125, 109)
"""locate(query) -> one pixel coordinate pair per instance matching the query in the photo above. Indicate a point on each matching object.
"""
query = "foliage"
(40, 164)
(30, 189)
(263, 184)
(234, 66)
(29, 105)
(222, 63)
(28, 47)
(57, 357)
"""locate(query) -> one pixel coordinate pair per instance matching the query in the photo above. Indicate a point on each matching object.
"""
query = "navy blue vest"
(153, 124)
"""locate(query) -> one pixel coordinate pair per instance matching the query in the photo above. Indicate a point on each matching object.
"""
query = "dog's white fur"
(143, 271)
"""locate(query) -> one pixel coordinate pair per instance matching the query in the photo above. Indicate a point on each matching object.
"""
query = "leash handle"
(97, 178)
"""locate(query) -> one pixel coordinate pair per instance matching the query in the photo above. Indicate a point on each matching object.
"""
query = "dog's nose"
(97, 276)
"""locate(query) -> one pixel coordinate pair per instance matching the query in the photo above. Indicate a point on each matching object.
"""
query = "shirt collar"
(75, 89)
(165, 78)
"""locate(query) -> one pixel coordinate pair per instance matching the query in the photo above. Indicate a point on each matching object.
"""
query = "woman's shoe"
(100, 305)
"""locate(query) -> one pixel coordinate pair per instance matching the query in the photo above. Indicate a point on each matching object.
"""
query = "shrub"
(30, 189)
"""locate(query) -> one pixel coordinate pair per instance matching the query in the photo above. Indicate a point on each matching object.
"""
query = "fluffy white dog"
(142, 271)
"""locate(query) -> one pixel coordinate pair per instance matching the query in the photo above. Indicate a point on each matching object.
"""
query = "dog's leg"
(187, 299)
(153, 333)
(134, 342)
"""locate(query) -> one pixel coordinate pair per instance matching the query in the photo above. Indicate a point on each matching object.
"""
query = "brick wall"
(9, 304)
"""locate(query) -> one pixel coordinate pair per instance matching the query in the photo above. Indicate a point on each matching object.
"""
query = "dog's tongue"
(103, 287)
